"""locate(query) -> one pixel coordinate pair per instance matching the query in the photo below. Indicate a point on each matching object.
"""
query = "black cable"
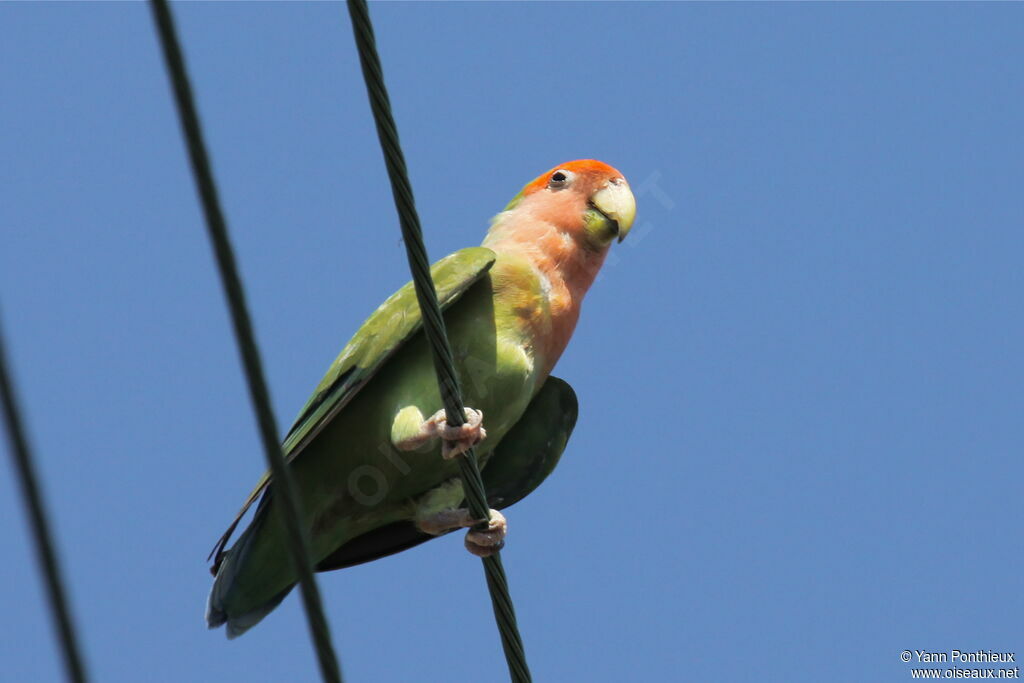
(433, 325)
(32, 496)
(284, 486)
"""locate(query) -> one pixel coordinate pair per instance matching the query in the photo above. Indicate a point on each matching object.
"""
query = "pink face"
(585, 198)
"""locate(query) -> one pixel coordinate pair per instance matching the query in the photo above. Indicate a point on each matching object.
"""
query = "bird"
(373, 458)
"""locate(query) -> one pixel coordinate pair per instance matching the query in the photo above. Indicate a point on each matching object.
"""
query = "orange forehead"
(581, 167)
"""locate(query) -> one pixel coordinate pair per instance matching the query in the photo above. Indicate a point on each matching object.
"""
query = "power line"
(32, 496)
(433, 325)
(284, 486)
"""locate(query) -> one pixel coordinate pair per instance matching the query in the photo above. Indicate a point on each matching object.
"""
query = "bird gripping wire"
(433, 325)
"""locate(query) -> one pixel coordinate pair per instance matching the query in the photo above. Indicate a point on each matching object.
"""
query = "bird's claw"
(486, 542)
(456, 440)
(480, 542)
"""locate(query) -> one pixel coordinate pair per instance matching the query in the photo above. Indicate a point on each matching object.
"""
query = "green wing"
(525, 457)
(531, 450)
(380, 336)
(383, 333)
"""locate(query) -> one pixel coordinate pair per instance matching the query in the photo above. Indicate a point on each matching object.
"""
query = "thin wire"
(46, 553)
(433, 325)
(284, 486)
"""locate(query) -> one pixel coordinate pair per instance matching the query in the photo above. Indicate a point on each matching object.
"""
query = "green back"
(383, 333)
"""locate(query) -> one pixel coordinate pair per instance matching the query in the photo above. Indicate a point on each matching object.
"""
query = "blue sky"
(799, 448)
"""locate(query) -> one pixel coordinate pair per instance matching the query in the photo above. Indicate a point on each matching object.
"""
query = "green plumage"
(359, 493)
(524, 458)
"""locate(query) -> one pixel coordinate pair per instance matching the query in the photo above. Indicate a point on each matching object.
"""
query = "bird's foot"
(454, 440)
(480, 542)
(486, 542)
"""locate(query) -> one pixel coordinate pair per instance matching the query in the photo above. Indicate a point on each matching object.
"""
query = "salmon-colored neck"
(558, 250)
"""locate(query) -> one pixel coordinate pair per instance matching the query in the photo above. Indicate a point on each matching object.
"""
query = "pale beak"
(616, 201)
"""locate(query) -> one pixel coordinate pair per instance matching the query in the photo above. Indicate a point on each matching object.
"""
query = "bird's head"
(586, 198)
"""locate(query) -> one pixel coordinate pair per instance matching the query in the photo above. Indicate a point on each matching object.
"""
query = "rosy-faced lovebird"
(373, 459)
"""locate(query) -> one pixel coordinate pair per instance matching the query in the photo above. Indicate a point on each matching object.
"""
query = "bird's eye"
(559, 179)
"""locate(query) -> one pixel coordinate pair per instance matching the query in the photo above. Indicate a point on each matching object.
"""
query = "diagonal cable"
(32, 497)
(284, 486)
(433, 325)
